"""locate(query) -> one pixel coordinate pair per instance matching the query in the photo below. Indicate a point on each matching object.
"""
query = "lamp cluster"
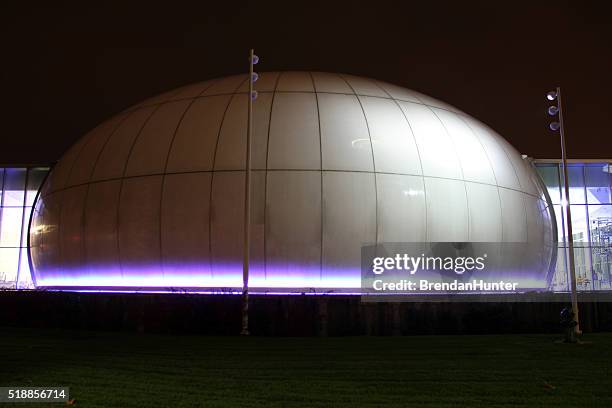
(254, 76)
(553, 110)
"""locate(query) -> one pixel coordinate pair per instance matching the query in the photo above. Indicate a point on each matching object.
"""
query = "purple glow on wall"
(346, 279)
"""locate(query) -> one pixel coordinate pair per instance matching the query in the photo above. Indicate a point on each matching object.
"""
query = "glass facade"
(18, 188)
(591, 212)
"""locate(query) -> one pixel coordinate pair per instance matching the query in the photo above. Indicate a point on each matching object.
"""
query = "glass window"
(560, 278)
(10, 226)
(14, 219)
(580, 225)
(576, 184)
(582, 262)
(550, 176)
(560, 216)
(598, 183)
(26, 221)
(14, 183)
(590, 184)
(9, 258)
(25, 277)
(602, 260)
(1, 183)
(600, 223)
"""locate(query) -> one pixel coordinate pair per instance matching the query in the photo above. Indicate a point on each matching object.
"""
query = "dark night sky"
(68, 66)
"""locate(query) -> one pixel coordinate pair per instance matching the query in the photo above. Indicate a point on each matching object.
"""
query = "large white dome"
(153, 197)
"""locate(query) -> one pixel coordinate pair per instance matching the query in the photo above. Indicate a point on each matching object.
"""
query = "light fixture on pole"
(253, 59)
(558, 126)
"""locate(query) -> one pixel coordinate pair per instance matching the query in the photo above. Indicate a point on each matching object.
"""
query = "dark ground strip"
(110, 369)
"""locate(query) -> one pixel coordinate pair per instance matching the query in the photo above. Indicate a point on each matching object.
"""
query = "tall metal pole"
(568, 214)
(247, 206)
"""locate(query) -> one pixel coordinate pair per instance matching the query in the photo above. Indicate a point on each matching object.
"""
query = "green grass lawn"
(106, 369)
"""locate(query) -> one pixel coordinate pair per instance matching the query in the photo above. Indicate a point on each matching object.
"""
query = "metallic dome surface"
(154, 196)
